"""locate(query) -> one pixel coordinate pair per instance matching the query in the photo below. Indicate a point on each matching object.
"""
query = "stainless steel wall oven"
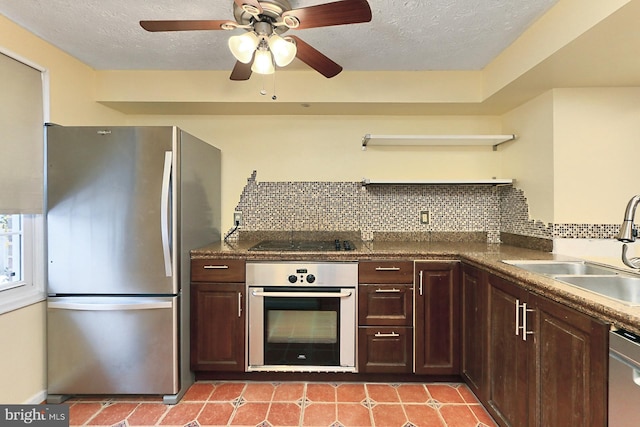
(302, 316)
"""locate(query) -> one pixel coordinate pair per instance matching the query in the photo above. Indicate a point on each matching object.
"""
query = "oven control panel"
(338, 274)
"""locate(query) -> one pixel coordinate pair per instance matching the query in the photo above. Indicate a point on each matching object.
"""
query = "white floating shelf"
(491, 181)
(435, 140)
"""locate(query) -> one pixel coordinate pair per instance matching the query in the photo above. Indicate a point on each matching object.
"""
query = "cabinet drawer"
(385, 272)
(385, 350)
(385, 305)
(218, 270)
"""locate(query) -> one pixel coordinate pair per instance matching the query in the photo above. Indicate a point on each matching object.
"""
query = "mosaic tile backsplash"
(379, 210)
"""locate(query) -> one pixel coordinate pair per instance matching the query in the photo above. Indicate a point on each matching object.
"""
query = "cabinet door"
(385, 305)
(572, 360)
(217, 327)
(385, 349)
(437, 317)
(510, 389)
(475, 326)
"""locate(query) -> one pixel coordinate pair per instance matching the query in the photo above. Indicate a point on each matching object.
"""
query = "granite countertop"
(488, 256)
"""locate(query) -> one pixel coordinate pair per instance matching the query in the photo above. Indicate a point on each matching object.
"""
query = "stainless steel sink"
(554, 268)
(622, 288)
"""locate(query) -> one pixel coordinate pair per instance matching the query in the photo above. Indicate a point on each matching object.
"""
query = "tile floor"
(266, 404)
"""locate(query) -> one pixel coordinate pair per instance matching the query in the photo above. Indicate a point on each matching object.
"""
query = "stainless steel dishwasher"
(624, 379)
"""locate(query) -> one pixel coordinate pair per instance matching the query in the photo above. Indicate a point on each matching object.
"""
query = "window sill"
(15, 299)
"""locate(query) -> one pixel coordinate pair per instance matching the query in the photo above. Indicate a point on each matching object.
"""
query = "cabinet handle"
(239, 304)
(216, 267)
(388, 335)
(382, 291)
(387, 268)
(525, 310)
(517, 317)
(420, 287)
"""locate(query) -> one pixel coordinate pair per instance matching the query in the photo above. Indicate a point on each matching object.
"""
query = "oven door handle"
(342, 294)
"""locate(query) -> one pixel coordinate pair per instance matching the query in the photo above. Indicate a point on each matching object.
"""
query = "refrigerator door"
(86, 356)
(108, 211)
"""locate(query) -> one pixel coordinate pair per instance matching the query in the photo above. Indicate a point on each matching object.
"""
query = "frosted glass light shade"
(242, 47)
(262, 63)
(283, 50)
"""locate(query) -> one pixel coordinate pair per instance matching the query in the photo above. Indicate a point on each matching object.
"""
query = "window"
(21, 270)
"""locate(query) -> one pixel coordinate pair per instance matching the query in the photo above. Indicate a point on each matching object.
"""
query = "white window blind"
(21, 138)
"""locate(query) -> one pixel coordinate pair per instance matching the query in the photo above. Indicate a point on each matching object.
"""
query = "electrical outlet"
(237, 219)
(424, 217)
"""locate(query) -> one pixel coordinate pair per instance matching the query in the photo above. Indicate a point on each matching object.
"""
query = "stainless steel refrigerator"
(125, 205)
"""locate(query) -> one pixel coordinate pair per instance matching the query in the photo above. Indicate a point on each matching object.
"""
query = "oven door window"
(302, 330)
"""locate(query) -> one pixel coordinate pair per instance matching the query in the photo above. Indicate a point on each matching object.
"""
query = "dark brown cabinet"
(385, 313)
(475, 325)
(217, 315)
(547, 361)
(437, 317)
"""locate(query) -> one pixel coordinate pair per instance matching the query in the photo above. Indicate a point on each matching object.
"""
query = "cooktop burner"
(304, 245)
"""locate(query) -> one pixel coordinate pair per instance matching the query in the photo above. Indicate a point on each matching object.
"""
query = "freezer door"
(112, 345)
(108, 212)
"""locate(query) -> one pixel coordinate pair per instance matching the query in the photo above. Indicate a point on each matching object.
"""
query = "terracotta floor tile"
(351, 392)
(467, 394)
(318, 392)
(482, 415)
(113, 414)
(182, 414)
(227, 391)
(458, 416)
(382, 393)
(80, 412)
(445, 393)
(423, 416)
(353, 415)
(388, 414)
(147, 414)
(319, 414)
(198, 392)
(412, 393)
(250, 414)
(258, 392)
(284, 414)
(215, 414)
(288, 392)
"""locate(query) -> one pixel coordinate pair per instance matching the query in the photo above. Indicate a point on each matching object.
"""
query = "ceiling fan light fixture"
(283, 50)
(263, 62)
(242, 47)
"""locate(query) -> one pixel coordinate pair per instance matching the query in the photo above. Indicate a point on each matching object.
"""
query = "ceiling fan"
(265, 21)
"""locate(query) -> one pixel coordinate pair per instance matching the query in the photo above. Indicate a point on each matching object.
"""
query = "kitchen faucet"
(628, 232)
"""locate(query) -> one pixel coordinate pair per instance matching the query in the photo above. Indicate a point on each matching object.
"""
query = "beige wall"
(596, 139)
(529, 159)
(22, 360)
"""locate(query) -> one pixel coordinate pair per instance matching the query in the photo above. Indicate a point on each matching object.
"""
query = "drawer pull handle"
(388, 335)
(387, 268)
(382, 291)
(216, 267)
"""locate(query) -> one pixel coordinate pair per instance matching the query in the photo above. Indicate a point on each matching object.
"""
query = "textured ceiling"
(403, 35)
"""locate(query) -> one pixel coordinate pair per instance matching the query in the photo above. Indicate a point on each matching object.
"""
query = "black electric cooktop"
(304, 245)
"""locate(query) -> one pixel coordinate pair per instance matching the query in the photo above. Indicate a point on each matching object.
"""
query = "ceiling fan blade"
(253, 3)
(189, 25)
(336, 13)
(315, 59)
(241, 71)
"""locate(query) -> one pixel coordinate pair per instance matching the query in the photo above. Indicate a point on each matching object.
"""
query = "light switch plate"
(424, 217)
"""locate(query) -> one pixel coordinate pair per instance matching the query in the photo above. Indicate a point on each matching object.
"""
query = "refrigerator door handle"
(165, 220)
(108, 307)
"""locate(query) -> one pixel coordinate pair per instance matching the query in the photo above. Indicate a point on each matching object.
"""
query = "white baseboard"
(37, 398)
